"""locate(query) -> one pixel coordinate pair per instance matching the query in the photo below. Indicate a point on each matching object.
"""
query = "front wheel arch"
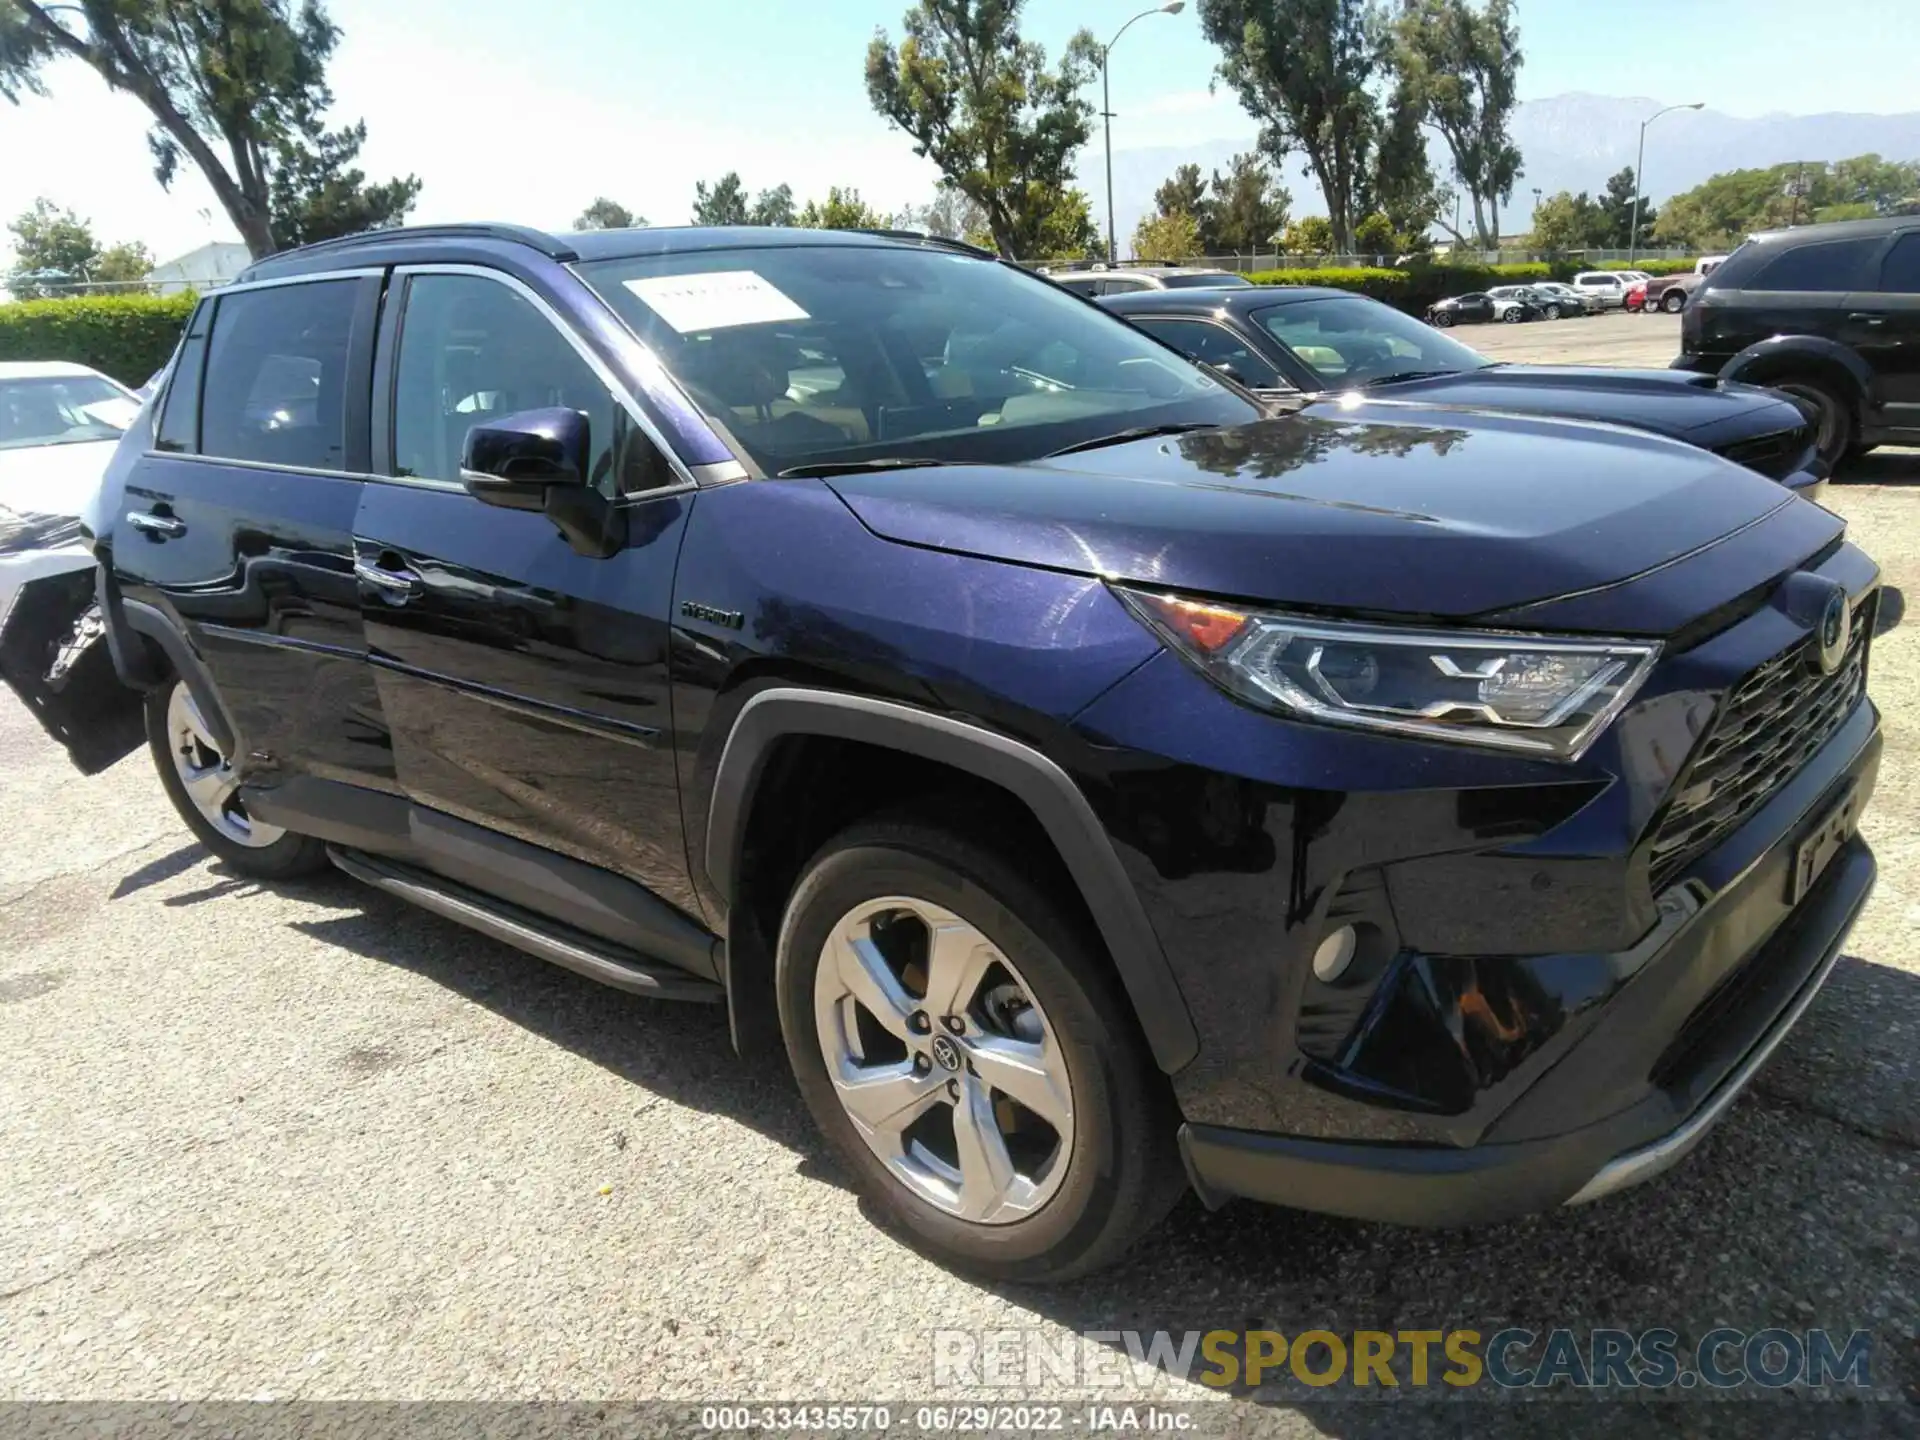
(970, 756)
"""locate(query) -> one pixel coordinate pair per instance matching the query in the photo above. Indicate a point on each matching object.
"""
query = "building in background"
(212, 264)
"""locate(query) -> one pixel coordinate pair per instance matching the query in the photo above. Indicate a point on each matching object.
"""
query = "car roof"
(425, 243)
(44, 370)
(1836, 229)
(1235, 298)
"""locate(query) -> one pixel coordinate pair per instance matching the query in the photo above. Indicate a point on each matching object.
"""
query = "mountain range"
(1568, 142)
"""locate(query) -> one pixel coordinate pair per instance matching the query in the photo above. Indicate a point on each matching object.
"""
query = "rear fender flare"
(1036, 781)
(1780, 356)
(135, 617)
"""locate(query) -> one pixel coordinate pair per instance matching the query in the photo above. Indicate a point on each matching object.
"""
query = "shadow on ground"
(1798, 1212)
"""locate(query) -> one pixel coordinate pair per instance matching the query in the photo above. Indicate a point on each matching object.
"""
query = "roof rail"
(548, 245)
(925, 238)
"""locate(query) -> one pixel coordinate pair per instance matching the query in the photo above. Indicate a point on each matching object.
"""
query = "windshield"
(1208, 280)
(1354, 341)
(62, 410)
(823, 355)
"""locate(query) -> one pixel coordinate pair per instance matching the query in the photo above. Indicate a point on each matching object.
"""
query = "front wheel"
(200, 780)
(1514, 316)
(962, 1042)
(1674, 301)
(1442, 319)
(1552, 312)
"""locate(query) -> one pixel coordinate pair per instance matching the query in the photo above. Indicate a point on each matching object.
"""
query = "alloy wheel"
(208, 776)
(941, 1056)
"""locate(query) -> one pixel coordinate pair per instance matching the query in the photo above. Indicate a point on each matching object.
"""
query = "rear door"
(238, 524)
(525, 683)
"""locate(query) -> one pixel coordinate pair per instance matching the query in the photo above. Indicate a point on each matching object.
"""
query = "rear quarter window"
(1826, 265)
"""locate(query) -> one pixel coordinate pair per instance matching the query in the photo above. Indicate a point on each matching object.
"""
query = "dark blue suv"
(1099, 786)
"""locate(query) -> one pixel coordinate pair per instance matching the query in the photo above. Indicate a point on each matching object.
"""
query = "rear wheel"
(1514, 315)
(1832, 416)
(200, 780)
(962, 1042)
(1674, 301)
(1552, 312)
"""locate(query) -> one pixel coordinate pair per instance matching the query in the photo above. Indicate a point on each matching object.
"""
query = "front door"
(525, 683)
(238, 525)
(1883, 326)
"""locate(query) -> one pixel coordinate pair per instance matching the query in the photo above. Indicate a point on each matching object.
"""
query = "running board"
(558, 944)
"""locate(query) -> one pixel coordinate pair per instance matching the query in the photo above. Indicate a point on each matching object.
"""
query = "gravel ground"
(307, 1142)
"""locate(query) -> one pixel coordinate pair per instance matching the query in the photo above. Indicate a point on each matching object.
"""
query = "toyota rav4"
(1099, 786)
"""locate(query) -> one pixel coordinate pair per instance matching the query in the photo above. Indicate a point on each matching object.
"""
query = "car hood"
(1387, 508)
(1667, 402)
(53, 479)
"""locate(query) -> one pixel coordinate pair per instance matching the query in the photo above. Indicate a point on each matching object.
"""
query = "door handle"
(393, 585)
(1867, 318)
(160, 527)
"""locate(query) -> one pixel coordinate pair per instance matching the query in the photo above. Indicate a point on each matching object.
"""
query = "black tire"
(1123, 1167)
(1442, 319)
(1831, 413)
(1674, 301)
(1514, 316)
(1552, 312)
(287, 857)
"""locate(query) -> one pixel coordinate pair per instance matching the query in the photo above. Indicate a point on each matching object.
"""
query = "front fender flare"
(1036, 781)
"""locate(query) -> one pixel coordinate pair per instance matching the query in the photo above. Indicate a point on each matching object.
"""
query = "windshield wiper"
(851, 467)
(1400, 375)
(1120, 437)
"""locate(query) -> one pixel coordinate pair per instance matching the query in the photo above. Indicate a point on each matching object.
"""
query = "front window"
(1353, 341)
(842, 355)
(62, 410)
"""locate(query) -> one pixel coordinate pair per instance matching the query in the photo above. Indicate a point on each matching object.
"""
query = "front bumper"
(1717, 986)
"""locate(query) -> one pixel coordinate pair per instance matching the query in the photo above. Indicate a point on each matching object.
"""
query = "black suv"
(1096, 784)
(1829, 314)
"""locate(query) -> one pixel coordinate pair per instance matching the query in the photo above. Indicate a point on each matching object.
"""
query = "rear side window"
(1900, 271)
(276, 374)
(180, 420)
(1829, 265)
(1212, 344)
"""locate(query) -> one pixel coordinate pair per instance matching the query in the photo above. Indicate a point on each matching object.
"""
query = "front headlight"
(1531, 693)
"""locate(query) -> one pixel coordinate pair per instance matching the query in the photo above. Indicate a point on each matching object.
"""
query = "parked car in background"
(1125, 279)
(1605, 286)
(59, 426)
(1827, 313)
(1572, 301)
(1480, 307)
(1635, 299)
(1707, 264)
(1301, 343)
(1543, 302)
(1098, 786)
(1669, 293)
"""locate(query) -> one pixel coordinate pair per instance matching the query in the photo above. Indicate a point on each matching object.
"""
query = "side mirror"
(513, 461)
(538, 460)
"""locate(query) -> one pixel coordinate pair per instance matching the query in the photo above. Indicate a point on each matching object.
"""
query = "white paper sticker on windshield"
(714, 301)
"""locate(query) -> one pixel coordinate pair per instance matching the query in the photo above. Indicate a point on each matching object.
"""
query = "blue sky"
(517, 112)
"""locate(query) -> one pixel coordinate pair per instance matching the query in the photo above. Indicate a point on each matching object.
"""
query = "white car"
(1609, 287)
(59, 425)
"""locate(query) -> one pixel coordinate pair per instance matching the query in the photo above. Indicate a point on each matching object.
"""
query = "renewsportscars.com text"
(1029, 1361)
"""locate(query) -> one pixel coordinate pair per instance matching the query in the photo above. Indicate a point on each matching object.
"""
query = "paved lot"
(308, 1142)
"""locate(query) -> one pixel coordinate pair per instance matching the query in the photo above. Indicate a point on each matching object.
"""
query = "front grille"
(1773, 723)
(1776, 456)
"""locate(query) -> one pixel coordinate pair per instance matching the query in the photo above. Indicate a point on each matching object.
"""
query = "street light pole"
(1640, 177)
(1106, 109)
